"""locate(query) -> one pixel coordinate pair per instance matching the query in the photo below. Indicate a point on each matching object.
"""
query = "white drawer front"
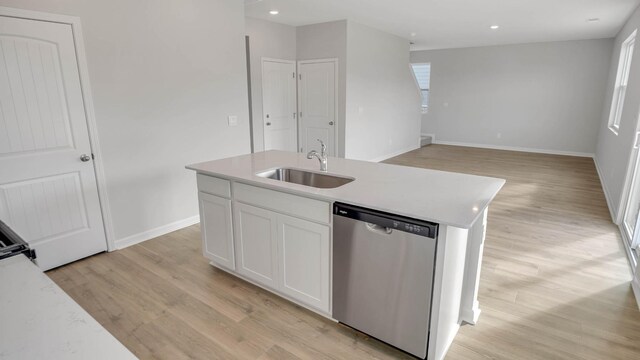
(284, 203)
(214, 186)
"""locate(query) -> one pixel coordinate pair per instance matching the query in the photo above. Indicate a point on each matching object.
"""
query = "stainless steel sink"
(304, 177)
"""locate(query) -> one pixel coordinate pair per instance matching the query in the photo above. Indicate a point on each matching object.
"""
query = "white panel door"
(304, 258)
(256, 245)
(317, 105)
(47, 194)
(279, 105)
(216, 229)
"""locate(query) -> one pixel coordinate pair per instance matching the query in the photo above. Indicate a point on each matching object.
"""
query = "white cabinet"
(277, 240)
(283, 203)
(304, 258)
(256, 244)
(217, 229)
(284, 253)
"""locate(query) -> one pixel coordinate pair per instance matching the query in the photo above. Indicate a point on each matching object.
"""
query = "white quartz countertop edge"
(441, 199)
(38, 320)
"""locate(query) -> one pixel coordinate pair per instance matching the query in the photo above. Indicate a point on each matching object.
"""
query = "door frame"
(87, 99)
(336, 87)
(626, 188)
(632, 174)
(295, 70)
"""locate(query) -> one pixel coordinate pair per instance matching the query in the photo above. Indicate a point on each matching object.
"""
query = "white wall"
(614, 151)
(323, 41)
(164, 74)
(383, 102)
(542, 96)
(378, 103)
(270, 40)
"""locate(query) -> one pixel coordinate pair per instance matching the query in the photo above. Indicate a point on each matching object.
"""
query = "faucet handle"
(323, 147)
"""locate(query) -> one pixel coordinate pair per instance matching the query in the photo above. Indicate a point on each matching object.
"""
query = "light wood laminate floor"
(554, 282)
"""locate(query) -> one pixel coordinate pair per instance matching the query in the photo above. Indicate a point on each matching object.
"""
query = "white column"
(469, 307)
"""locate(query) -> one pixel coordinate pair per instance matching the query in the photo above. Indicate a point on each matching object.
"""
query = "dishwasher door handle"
(378, 229)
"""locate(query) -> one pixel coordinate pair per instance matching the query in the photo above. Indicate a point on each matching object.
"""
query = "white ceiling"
(440, 24)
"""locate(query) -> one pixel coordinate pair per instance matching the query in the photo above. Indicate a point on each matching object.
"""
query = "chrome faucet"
(322, 157)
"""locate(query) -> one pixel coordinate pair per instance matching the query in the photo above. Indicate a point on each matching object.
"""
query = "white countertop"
(438, 196)
(40, 321)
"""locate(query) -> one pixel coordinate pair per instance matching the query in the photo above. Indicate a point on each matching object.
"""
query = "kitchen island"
(278, 234)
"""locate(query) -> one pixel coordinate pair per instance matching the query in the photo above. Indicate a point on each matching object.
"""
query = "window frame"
(622, 81)
(424, 109)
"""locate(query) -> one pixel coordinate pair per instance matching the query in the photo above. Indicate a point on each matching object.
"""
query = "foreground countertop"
(442, 197)
(40, 321)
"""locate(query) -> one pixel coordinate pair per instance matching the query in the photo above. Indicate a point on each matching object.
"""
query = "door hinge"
(294, 75)
(92, 157)
(294, 115)
(300, 114)
(300, 76)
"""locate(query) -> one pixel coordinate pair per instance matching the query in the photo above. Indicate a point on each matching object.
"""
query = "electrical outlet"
(233, 120)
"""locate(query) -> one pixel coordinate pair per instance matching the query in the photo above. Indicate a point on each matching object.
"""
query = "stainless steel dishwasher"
(383, 268)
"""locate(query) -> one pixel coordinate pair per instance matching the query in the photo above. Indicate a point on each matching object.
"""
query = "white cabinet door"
(217, 229)
(304, 259)
(256, 244)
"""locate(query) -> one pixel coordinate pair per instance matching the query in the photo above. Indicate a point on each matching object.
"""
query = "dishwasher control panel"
(386, 220)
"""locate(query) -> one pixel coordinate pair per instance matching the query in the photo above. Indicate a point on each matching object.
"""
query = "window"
(422, 73)
(624, 66)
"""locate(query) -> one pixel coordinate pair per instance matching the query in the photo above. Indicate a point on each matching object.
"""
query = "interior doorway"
(279, 117)
(48, 186)
(293, 104)
(317, 104)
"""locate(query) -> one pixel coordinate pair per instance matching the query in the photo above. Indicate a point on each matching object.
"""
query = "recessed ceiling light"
(593, 19)
(274, 12)
(494, 27)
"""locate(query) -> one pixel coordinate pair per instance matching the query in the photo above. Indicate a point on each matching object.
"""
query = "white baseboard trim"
(516, 148)
(635, 285)
(471, 316)
(395, 153)
(159, 231)
(433, 136)
(607, 197)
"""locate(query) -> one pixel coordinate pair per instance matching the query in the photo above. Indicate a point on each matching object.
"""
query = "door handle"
(85, 157)
(330, 122)
(268, 124)
(378, 229)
